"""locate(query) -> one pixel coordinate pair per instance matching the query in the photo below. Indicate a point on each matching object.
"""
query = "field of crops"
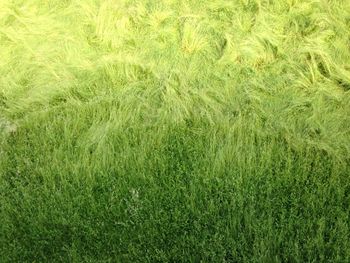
(175, 131)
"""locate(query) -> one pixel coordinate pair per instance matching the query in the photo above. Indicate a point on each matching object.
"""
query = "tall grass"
(174, 131)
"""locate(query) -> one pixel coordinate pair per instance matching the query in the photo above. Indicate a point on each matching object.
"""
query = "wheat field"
(175, 131)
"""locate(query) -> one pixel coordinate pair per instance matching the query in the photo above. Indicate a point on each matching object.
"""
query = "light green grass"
(174, 131)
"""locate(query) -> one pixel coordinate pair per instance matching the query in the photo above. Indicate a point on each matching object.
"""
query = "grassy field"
(174, 131)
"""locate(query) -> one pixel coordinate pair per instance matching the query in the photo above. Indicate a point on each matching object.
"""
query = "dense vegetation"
(174, 131)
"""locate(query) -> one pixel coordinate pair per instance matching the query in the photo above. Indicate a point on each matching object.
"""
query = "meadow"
(175, 131)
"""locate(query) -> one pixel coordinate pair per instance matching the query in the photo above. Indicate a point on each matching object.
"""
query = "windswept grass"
(174, 131)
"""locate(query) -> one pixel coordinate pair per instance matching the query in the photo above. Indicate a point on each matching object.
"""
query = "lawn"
(175, 131)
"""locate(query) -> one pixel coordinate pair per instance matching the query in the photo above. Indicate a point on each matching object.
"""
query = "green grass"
(174, 131)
